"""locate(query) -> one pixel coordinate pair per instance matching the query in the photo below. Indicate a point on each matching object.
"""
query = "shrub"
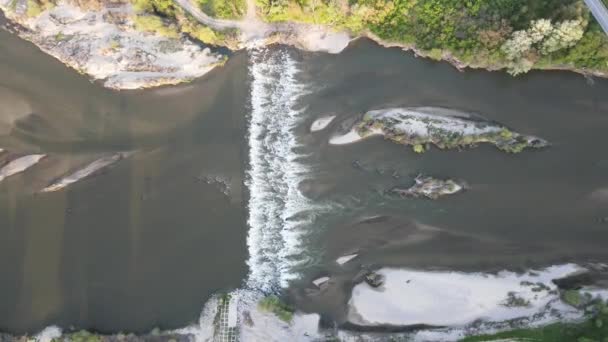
(276, 306)
(418, 148)
(151, 23)
(33, 8)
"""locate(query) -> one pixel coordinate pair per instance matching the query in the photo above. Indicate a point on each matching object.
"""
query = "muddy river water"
(226, 186)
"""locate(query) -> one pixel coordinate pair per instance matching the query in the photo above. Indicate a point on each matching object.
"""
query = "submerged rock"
(446, 129)
(576, 280)
(429, 187)
(223, 183)
(374, 279)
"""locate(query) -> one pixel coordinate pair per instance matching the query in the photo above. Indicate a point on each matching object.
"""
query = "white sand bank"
(352, 137)
(85, 172)
(453, 299)
(19, 165)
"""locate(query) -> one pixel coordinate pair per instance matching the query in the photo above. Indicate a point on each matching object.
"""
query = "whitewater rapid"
(278, 212)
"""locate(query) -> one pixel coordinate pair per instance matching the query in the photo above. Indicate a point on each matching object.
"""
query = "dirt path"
(219, 24)
(250, 23)
(253, 30)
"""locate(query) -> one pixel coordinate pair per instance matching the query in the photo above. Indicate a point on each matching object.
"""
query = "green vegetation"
(163, 8)
(82, 336)
(593, 329)
(35, 7)
(151, 23)
(227, 9)
(445, 138)
(215, 8)
(418, 148)
(165, 18)
(514, 34)
(276, 306)
(575, 298)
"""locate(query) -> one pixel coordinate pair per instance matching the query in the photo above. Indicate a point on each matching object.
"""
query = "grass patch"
(33, 8)
(203, 33)
(273, 304)
(154, 24)
(225, 9)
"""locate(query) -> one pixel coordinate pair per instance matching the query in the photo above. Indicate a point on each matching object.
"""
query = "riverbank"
(402, 303)
(130, 46)
(460, 65)
(106, 45)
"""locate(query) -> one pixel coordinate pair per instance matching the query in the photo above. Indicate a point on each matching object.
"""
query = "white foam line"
(275, 172)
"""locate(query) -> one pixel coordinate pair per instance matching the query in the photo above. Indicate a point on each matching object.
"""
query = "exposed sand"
(453, 299)
(346, 258)
(85, 172)
(319, 38)
(321, 123)
(352, 137)
(19, 165)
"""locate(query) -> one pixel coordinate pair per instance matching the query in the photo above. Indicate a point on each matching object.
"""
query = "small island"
(429, 187)
(422, 127)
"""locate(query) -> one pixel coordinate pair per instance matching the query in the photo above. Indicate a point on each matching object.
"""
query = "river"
(150, 239)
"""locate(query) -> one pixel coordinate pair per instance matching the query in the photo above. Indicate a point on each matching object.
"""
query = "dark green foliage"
(474, 30)
(163, 8)
(590, 52)
(466, 27)
(223, 8)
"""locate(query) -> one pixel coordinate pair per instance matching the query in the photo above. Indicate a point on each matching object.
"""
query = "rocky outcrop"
(429, 187)
(105, 45)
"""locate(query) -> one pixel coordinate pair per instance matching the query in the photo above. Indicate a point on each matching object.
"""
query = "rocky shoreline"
(423, 127)
(106, 44)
